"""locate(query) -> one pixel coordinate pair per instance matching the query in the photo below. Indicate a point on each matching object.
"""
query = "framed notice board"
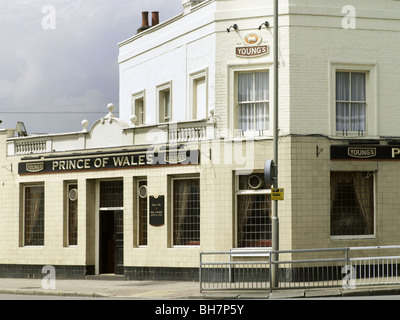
(156, 211)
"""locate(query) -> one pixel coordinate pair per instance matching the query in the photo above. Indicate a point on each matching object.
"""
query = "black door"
(111, 242)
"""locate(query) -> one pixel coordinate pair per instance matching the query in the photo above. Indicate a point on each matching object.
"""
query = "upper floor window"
(351, 102)
(353, 98)
(139, 108)
(164, 102)
(198, 86)
(253, 101)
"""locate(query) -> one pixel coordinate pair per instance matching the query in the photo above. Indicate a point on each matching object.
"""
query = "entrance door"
(111, 242)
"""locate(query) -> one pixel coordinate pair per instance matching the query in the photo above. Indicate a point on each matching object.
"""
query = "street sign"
(277, 194)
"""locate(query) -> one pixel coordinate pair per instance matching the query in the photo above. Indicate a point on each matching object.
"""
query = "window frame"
(68, 218)
(232, 112)
(241, 192)
(360, 236)
(140, 223)
(173, 179)
(371, 88)
(141, 95)
(194, 77)
(161, 106)
(24, 224)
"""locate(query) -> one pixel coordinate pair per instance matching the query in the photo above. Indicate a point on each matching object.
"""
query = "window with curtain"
(253, 213)
(186, 212)
(352, 203)
(351, 102)
(253, 101)
(34, 215)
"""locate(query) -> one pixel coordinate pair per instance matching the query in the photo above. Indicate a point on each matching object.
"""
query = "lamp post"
(275, 218)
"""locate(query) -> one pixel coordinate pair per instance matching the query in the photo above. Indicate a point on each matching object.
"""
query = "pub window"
(111, 194)
(186, 211)
(253, 101)
(33, 203)
(142, 211)
(352, 203)
(253, 206)
(351, 102)
(198, 87)
(164, 102)
(72, 210)
(139, 109)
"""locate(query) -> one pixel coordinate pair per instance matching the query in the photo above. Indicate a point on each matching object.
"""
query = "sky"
(59, 58)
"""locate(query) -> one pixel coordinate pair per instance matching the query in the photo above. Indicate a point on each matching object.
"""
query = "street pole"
(275, 218)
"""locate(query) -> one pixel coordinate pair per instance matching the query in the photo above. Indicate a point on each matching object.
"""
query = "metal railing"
(227, 274)
(304, 268)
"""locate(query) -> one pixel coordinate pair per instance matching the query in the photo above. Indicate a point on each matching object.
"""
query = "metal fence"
(305, 268)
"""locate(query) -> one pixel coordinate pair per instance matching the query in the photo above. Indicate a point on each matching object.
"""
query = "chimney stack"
(145, 21)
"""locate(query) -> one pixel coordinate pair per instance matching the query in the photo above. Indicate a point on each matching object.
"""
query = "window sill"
(252, 133)
(365, 237)
(353, 135)
(250, 252)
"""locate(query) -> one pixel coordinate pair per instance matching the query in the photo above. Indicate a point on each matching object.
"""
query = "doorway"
(111, 242)
(111, 227)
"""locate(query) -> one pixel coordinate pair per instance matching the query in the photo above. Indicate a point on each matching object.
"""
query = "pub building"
(181, 170)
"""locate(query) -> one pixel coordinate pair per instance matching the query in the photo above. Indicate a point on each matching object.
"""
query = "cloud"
(74, 64)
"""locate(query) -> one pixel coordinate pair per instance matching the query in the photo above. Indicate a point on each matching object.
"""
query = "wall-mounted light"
(266, 24)
(235, 26)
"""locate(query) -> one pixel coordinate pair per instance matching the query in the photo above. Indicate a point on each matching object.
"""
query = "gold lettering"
(79, 164)
(395, 152)
(150, 159)
(142, 159)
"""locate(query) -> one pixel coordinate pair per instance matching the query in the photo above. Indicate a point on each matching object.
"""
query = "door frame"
(98, 211)
(118, 239)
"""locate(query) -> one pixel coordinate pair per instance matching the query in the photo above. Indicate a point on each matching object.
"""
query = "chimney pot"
(145, 21)
(155, 18)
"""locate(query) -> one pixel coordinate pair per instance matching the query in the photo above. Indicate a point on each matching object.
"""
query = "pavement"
(118, 288)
